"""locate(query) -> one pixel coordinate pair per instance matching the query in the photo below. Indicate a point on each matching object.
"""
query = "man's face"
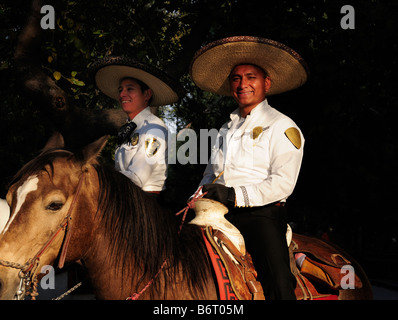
(249, 85)
(132, 98)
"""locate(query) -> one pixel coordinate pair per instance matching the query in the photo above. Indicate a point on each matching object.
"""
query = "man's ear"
(267, 83)
(148, 94)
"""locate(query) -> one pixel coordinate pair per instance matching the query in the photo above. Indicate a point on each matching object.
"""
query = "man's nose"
(122, 93)
(242, 84)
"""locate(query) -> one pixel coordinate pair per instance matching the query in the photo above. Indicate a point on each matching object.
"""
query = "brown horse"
(67, 207)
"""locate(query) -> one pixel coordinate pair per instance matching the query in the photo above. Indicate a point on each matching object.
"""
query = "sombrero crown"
(213, 63)
(109, 71)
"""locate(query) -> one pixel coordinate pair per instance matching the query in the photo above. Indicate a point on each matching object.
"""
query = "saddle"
(321, 269)
(239, 273)
(233, 266)
(319, 277)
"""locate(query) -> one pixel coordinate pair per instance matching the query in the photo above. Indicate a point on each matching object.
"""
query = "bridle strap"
(29, 266)
(28, 269)
(65, 246)
(68, 224)
(65, 225)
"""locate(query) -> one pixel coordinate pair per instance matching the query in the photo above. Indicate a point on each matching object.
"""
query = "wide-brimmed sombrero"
(213, 63)
(109, 71)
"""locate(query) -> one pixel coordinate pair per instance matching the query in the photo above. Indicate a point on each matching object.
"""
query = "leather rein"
(27, 271)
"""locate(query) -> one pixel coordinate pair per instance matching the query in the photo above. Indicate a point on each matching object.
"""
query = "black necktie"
(125, 132)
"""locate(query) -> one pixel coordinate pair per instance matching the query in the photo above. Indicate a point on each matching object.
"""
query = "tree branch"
(181, 62)
(78, 126)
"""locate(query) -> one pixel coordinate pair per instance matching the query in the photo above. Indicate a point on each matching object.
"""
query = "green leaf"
(76, 82)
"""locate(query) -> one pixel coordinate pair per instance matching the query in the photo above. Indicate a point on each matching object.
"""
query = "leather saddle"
(322, 267)
(239, 267)
(321, 270)
(320, 275)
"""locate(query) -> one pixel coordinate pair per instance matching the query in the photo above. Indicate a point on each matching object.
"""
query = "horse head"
(44, 198)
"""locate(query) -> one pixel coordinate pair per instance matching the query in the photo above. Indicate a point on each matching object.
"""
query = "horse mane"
(141, 230)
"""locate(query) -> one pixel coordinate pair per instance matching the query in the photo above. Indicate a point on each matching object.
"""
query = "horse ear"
(55, 141)
(93, 150)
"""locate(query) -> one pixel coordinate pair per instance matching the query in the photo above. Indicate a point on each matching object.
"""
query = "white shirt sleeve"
(146, 162)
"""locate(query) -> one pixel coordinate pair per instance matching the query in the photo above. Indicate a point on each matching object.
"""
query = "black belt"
(278, 204)
(273, 204)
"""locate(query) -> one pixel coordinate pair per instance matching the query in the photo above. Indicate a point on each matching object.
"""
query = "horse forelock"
(145, 234)
(43, 162)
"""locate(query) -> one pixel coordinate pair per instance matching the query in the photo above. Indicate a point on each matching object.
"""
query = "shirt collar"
(261, 108)
(141, 117)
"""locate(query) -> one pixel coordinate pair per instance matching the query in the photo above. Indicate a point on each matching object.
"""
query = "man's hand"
(220, 193)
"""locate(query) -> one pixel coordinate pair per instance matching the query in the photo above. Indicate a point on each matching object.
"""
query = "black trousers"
(264, 230)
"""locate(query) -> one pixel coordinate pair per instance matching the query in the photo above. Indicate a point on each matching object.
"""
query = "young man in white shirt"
(142, 150)
(256, 160)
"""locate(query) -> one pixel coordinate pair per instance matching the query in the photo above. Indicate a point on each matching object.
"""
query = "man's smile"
(244, 93)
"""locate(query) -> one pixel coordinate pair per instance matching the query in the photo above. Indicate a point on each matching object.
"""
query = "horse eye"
(55, 206)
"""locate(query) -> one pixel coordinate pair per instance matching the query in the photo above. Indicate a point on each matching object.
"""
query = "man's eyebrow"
(128, 85)
(246, 74)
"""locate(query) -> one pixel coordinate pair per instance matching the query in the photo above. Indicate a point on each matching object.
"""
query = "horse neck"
(122, 282)
(109, 279)
(112, 279)
(112, 267)
(132, 234)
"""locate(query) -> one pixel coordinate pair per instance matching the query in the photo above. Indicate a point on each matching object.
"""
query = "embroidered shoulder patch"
(294, 136)
(152, 146)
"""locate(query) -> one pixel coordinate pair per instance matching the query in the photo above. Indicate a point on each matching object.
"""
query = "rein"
(27, 270)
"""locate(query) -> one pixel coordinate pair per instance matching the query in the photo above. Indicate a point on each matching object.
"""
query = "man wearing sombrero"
(142, 151)
(256, 160)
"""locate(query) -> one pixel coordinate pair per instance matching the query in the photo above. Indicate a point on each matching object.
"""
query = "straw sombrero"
(212, 64)
(109, 71)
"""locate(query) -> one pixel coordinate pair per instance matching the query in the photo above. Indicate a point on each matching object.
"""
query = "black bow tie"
(125, 132)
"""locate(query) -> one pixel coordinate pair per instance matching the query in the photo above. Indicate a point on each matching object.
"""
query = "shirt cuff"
(242, 197)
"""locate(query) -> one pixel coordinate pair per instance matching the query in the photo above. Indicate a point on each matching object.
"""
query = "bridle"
(27, 275)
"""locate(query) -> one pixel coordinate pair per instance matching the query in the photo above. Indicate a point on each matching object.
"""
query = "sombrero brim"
(109, 71)
(212, 64)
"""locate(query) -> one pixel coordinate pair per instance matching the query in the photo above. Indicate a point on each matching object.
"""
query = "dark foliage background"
(346, 111)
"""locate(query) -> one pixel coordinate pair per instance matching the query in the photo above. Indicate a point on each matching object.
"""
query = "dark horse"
(66, 207)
